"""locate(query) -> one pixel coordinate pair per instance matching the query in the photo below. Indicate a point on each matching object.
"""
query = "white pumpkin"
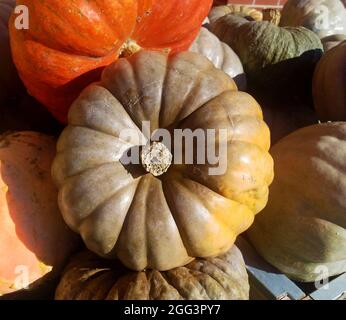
(221, 55)
(324, 17)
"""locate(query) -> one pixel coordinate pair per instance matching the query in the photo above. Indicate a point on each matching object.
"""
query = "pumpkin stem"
(129, 48)
(272, 15)
(156, 158)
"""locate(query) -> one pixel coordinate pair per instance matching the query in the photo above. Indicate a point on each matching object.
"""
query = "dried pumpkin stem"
(156, 158)
(129, 48)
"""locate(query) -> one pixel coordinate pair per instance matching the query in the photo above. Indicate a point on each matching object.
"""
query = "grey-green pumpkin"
(302, 231)
(271, 55)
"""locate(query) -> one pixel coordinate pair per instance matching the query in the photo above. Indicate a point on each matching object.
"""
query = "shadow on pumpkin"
(284, 115)
(27, 114)
(292, 77)
(241, 81)
(58, 100)
(11, 87)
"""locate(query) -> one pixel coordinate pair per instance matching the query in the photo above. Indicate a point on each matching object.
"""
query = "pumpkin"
(88, 277)
(219, 11)
(10, 84)
(34, 240)
(303, 226)
(221, 55)
(69, 42)
(332, 41)
(325, 17)
(329, 84)
(271, 56)
(135, 211)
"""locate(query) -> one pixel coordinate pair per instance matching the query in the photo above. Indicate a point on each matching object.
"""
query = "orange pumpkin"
(34, 241)
(69, 42)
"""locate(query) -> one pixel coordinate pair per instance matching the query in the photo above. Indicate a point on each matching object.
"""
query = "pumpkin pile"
(99, 200)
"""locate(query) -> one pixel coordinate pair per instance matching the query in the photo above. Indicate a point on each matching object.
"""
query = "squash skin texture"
(289, 42)
(88, 277)
(272, 56)
(65, 49)
(33, 233)
(136, 217)
(329, 85)
(304, 224)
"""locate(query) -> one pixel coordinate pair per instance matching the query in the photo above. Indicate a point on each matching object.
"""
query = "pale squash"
(324, 17)
(302, 231)
(126, 210)
(221, 55)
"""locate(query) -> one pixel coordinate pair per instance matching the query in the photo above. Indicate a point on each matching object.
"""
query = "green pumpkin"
(270, 55)
(302, 231)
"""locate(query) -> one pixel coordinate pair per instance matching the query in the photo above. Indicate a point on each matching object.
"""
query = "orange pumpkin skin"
(33, 237)
(69, 43)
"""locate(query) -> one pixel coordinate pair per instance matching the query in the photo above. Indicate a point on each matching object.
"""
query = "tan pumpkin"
(302, 231)
(34, 240)
(221, 55)
(161, 222)
(329, 84)
(88, 277)
(245, 11)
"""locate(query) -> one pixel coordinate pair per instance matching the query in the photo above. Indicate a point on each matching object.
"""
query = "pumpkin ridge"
(172, 276)
(205, 270)
(69, 179)
(162, 275)
(101, 204)
(182, 235)
(199, 276)
(193, 88)
(80, 173)
(61, 148)
(127, 217)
